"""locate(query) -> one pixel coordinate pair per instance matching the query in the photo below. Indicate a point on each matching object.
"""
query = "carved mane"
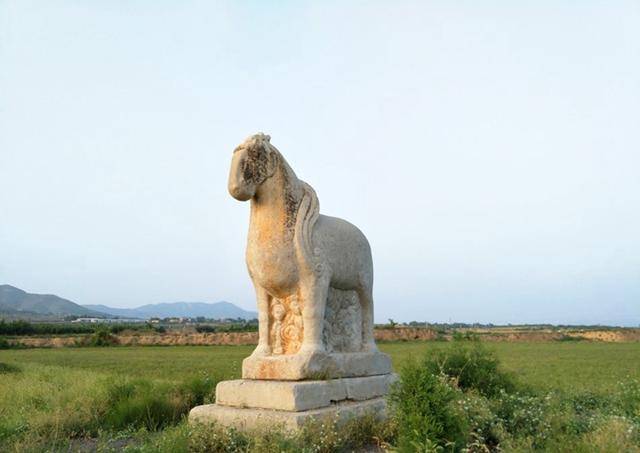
(308, 213)
(307, 206)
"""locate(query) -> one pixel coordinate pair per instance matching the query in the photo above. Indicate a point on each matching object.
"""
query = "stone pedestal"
(297, 367)
(290, 388)
(251, 418)
(249, 404)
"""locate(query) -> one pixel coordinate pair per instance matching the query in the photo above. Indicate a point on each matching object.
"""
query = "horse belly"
(347, 252)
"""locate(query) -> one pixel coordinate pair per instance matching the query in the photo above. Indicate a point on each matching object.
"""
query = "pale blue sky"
(489, 150)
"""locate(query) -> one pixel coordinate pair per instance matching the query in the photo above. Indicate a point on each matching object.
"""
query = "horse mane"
(300, 202)
(308, 213)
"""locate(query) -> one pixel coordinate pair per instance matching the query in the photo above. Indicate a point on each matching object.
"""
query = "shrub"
(361, 432)
(6, 368)
(627, 399)
(4, 344)
(471, 366)
(102, 337)
(565, 337)
(423, 405)
(205, 329)
(139, 404)
(199, 390)
(523, 415)
(484, 427)
(464, 336)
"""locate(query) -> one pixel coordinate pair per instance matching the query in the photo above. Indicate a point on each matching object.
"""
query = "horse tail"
(308, 213)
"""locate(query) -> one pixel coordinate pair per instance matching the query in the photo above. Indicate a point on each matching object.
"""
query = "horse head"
(253, 162)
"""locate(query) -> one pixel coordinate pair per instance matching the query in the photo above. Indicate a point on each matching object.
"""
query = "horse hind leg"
(365, 295)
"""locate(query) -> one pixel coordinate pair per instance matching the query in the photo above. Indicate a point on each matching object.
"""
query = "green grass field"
(554, 365)
(64, 396)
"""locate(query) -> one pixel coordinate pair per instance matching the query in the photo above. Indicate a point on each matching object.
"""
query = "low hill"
(17, 303)
(218, 310)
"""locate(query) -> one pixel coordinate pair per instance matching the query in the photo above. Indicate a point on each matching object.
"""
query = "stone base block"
(300, 395)
(297, 367)
(250, 419)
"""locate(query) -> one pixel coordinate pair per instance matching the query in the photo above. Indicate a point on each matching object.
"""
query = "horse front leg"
(314, 293)
(264, 301)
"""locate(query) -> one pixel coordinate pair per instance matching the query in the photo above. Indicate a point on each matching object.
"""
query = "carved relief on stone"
(286, 326)
(342, 331)
(277, 316)
(342, 322)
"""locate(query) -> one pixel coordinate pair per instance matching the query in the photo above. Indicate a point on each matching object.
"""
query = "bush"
(143, 404)
(471, 366)
(199, 390)
(464, 336)
(423, 405)
(205, 329)
(6, 368)
(4, 344)
(140, 404)
(627, 400)
(101, 337)
(565, 337)
(523, 415)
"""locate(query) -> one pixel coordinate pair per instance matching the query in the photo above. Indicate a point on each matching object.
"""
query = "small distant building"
(108, 320)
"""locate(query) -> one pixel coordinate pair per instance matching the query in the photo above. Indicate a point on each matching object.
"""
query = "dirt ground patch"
(396, 334)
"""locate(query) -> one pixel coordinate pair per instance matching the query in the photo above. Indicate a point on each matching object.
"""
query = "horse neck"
(277, 198)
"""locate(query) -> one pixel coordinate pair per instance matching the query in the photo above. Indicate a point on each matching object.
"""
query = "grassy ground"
(555, 365)
(63, 397)
(551, 366)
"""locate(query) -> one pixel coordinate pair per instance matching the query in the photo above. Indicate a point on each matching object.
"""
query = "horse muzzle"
(241, 193)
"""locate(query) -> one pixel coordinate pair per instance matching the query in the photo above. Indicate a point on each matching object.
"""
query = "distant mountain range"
(218, 310)
(16, 303)
(21, 304)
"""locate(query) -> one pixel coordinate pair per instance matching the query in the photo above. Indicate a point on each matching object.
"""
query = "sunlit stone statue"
(313, 277)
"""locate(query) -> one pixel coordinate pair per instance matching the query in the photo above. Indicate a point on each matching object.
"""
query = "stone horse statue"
(293, 250)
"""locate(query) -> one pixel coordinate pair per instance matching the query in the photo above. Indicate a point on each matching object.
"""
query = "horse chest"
(273, 265)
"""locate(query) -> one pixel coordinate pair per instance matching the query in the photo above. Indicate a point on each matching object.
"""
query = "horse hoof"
(311, 350)
(370, 347)
(261, 351)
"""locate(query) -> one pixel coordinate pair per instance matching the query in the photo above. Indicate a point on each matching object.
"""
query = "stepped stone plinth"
(248, 404)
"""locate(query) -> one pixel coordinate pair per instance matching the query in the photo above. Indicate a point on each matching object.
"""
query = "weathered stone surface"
(313, 277)
(316, 366)
(313, 274)
(251, 418)
(300, 395)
